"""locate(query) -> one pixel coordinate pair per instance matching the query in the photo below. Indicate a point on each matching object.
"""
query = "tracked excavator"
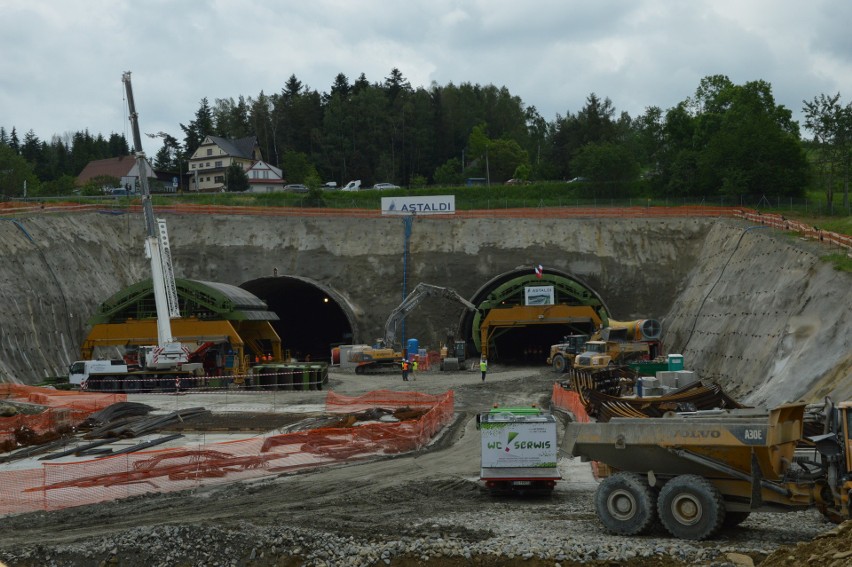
(386, 357)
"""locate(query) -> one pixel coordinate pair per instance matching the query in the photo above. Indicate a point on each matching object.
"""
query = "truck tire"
(560, 364)
(625, 504)
(690, 507)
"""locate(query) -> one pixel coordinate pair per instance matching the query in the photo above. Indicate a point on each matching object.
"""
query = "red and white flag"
(538, 271)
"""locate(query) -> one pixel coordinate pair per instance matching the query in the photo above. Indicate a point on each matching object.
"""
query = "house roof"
(261, 165)
(113, 167)
(241, 147)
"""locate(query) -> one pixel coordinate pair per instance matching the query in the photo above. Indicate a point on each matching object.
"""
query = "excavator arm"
(421, 292)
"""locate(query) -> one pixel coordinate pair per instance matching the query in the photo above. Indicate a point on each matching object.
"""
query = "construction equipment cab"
(594, 355)
(562, 354)
(82, 370)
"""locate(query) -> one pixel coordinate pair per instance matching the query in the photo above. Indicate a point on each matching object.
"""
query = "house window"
(219, 179)
(219, 163)
(209, 151)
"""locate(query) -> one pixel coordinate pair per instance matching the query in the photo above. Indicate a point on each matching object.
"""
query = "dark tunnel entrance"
(531, 344)
(311, 321)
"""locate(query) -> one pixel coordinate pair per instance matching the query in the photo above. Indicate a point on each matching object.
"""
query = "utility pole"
(407, 222)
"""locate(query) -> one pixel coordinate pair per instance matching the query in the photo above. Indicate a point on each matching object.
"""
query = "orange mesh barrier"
(569, 400)
(62, 485)
(65, 409)
(806, 230)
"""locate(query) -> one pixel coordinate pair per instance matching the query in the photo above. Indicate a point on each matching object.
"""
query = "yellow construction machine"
(696, 472)
(619, 343)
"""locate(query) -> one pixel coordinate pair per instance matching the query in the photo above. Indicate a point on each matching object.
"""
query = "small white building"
(264, 178)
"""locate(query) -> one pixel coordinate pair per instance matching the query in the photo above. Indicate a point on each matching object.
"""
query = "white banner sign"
(538, 295)
(425, 205)
(518, 444)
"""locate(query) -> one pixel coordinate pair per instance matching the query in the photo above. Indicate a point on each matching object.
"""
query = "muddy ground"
(394, 504)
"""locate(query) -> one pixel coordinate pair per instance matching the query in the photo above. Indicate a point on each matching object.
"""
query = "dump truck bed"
(709, 444)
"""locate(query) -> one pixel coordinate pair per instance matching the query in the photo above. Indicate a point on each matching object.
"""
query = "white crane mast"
(168, 352)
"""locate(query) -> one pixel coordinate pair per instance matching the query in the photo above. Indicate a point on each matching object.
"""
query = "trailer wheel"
(690, 507)
(560, 364)
(625, 504)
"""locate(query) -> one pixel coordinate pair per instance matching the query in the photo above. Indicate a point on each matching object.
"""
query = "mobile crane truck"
(518, 450)
(165, 365)
(696, 472)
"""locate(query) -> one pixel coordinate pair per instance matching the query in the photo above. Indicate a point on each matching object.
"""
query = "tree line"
(725, 139)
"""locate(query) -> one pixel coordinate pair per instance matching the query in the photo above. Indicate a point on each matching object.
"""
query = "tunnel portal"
(521, 313)
(311, 319)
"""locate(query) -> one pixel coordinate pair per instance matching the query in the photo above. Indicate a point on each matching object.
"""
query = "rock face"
(764, 316)
(771, 321)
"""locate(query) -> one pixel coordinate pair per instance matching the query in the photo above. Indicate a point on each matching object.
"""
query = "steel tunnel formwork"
(237, 322)
(513, 331)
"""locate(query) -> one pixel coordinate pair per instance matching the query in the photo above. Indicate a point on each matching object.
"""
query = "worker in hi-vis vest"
(483, 367)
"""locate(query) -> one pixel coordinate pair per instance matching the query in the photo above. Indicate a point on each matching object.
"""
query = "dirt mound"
(831, 549)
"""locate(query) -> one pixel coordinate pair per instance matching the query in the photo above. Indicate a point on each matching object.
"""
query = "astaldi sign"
(538, 295)
(426, 205)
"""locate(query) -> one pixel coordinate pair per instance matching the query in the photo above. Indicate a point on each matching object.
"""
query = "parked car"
(330, 186)
(352, 185)
(381, 186)
(296, 188)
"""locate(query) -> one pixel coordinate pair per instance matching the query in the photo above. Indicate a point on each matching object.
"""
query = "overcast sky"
(62, 60)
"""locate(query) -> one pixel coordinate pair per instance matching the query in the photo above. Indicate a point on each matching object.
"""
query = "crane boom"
(158, 251)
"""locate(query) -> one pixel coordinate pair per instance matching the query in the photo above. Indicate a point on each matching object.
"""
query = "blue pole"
(406, 222)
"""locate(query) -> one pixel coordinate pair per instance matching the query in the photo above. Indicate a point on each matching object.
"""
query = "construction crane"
(168, 353)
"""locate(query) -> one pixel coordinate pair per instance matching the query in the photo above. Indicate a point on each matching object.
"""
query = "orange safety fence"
(808, 231)
(569, 400)
(62, 485)
(65, 409)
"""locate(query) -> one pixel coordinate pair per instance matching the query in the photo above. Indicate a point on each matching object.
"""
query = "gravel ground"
(426, 508)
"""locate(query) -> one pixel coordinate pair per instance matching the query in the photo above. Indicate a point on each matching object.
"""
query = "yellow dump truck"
(600, 354)
(695, 472)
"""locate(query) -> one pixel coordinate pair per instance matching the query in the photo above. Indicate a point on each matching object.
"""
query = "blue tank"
(412, 347)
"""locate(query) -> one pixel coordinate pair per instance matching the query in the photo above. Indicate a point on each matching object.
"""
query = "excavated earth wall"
(755, 310)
